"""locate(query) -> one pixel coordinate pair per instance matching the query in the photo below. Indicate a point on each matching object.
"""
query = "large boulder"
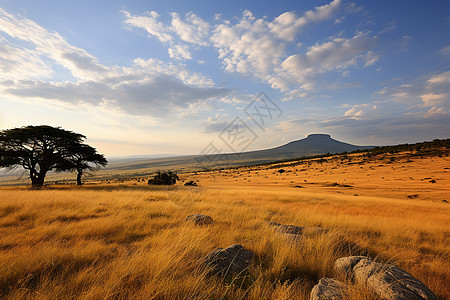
(199, 219)
(387, 281)
(229, 261)
(343, 267)
(328, 289)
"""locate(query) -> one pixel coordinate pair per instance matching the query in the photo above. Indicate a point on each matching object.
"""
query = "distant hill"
(314, 144)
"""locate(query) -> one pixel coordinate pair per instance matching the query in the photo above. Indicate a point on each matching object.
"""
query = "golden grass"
(131, 242)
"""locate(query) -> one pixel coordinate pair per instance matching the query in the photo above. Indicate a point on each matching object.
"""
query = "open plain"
(131, 241)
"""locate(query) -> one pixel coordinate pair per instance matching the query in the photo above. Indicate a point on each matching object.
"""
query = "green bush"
(164, 178)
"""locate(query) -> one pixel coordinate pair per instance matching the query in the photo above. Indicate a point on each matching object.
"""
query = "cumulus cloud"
(148, 87)
(180, 52)
(191, 30)
(339, 53)
(261, 48)
(149, 22)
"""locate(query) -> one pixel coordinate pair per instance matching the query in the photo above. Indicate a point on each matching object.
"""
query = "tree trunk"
(38, 180)
(34, 179)
(79, 174)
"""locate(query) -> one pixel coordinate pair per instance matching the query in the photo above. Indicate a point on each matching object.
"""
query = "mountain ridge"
(313, 144)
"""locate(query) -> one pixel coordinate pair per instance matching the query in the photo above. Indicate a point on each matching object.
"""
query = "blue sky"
(146, 77)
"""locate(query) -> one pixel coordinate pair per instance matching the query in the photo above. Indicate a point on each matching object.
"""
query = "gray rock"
(287, 229)
(295, 232)
(387, 281)
(199, 219)
(391, 282)
(328, 289)
(231, 260)
(343, 267)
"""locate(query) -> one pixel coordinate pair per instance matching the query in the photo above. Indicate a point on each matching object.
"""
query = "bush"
(281, 171)
(164, 178)
(191, 183)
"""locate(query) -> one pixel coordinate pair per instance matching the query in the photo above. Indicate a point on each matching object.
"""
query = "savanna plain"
(130, 240)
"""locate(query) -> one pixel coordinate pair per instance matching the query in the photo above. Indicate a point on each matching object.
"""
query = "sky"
(192, 77)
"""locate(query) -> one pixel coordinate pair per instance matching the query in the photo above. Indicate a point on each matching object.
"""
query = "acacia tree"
(83, 157)
(38, 149)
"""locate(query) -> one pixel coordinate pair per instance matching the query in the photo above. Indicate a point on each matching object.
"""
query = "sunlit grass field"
(131, 241)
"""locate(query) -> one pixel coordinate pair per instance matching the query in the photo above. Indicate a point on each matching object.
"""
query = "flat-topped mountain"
(314, 144)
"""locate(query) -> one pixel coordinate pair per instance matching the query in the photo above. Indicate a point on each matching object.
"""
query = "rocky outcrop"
(343, 267)
(387, 281)
(328, 289)
(229, 261)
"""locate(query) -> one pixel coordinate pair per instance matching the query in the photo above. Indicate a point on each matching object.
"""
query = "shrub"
(191, 183)
(164, 178)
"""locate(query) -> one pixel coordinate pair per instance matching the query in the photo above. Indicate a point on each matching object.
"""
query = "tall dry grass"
(132, 242)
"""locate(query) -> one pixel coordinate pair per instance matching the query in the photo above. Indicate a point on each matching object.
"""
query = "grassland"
(130, 241)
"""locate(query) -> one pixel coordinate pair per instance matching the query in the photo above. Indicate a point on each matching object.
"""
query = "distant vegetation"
(424, 149)
(164, 178)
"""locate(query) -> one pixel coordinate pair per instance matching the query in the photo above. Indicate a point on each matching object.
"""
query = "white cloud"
(149, 23)
(191, 30)
(430, 96)
(259, 48)
(359, 110)
(20, 62)
(256, 45)
(338, 54)
(51, 45)
(148, 87)
(439, 80)
(180, 52)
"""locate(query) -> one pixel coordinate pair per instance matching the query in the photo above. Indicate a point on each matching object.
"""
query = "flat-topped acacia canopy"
(39, 149)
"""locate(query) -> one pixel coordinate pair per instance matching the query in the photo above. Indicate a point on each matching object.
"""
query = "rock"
(199, 219)
(287, 229)
(387, 281)
(390, 282)
(343, 267)
(231, 260)
(328, 289)
(296, 231)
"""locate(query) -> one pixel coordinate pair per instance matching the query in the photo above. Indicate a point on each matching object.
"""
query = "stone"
(343, 267)
(391, 282)
(229, 261)
(295, 232)
(199, 219)
(328, 289)
(387, 281)
(287, 229)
